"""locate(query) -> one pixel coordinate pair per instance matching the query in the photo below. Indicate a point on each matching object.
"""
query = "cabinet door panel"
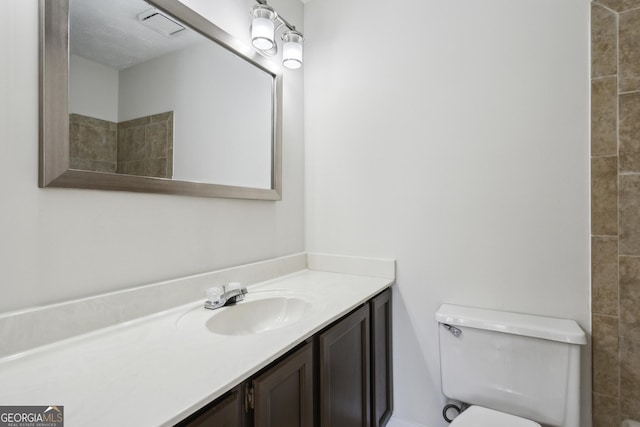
(344, 372)
(284, 394)
(381, 360)
(224, 412)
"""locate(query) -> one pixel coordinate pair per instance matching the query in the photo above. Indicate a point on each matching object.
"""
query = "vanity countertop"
(159, 369)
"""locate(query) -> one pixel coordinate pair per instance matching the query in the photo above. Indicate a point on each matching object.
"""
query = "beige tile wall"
(142, 146)
(145, 146)
(615, 210)
(93, 144)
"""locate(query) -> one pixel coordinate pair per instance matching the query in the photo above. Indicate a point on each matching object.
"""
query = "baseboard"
(397, 422)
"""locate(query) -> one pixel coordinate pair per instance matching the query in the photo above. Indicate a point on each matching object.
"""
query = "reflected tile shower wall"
(142, 146)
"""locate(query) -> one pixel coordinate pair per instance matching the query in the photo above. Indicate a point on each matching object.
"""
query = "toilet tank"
(516, 363)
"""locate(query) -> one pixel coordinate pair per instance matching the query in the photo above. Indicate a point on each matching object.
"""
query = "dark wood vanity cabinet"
(381, 360)
(280, 396)
(345, 372)
(226, 411)
(355, 373)
(341, 377)
(283, 395)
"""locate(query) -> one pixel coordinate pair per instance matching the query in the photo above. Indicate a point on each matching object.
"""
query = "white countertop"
(159, 369)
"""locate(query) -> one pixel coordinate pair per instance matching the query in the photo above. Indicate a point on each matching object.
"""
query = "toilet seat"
(478, 416)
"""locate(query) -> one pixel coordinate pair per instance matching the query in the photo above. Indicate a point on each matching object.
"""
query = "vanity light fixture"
(263, 35)
(292, 49)
(263, 27)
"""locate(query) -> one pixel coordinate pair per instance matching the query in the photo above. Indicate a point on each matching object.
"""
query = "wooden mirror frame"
(54, 165)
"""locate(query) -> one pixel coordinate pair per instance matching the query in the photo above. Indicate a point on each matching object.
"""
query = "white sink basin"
(256, 316)
(261, 311)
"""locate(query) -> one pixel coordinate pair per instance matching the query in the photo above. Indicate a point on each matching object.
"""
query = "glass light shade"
(262, 33)
(292, 55)
(292, 49)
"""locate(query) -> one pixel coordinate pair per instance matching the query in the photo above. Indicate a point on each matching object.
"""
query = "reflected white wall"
(222, 113)
(93, 89)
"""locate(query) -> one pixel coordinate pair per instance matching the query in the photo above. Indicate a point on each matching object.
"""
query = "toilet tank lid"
(549, 328)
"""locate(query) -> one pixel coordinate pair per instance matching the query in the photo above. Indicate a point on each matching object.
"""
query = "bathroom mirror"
(149, 96)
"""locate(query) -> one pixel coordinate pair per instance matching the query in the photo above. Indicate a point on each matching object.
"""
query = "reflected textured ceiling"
(108, 32)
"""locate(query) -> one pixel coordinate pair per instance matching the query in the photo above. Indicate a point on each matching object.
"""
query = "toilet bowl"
(514, 370)
(478, 416)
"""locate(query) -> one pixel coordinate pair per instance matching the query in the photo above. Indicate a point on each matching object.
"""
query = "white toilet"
(515, 370)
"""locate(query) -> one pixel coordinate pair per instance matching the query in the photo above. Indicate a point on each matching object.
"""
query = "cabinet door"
(381, 360)
(283, 395)
(224, 412)
(344, 372)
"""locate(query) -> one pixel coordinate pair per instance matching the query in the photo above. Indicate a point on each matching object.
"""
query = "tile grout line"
(628, 10)
(604, 7)
(604, 77)
(628, 92)
(618, 181)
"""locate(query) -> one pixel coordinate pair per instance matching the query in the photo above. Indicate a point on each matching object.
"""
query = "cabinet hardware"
(248, 399)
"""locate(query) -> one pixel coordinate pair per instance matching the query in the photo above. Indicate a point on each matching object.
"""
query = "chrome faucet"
(229, 295)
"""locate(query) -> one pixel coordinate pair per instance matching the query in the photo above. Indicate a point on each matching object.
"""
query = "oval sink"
(256, 316)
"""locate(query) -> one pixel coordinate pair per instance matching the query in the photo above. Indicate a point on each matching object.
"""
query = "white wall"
(222, 112)
(57, 244)
(93, 89)
(454, 139)
(452, 136)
